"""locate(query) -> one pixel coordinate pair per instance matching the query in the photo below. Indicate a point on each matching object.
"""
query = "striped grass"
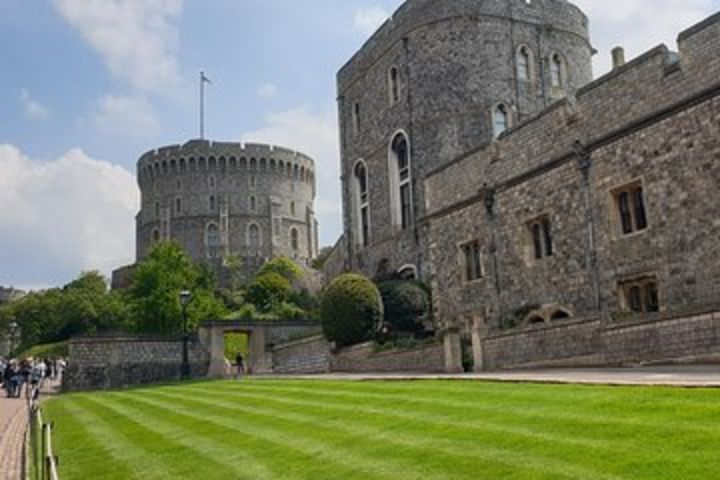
(429, 430)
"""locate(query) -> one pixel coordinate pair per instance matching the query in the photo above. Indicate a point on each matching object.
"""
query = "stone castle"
(479, 155)
(224, 200)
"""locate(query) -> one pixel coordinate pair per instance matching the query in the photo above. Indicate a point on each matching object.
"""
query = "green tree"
(157, 283)
(268, 291)
(406, 305)
(282, 266)
(351, 310)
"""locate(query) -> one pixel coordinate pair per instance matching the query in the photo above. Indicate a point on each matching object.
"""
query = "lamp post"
(13, 334)
(185, 366)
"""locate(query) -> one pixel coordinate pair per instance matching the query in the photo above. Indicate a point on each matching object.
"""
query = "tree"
(268, 291)
(282, 266)
(351, 310)
(155, 293)
(83, 306)
(406, 305)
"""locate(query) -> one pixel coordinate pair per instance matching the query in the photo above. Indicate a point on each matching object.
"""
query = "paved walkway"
(13, 424)
(679, 376)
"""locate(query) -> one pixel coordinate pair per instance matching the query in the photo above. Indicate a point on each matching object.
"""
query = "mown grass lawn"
(323, 430)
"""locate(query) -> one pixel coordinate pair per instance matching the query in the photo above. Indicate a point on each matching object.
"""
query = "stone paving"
(677, 376)
(13, 423)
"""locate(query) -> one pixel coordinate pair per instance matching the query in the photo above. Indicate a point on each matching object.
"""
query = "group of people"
(29, 373)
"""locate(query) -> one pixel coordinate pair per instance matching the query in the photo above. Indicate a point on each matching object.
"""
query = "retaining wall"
(310, 355)
(693, 337)
(101, 363)
(364, 359)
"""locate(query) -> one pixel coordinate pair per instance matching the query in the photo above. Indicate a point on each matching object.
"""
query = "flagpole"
(202, 105)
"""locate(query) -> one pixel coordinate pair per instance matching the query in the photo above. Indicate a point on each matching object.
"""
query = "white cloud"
(316, 134)
(267, 91)
(33, 109)
(639, 25)
(70, 214)
(125, 115)
(137, 39)
(367, 20)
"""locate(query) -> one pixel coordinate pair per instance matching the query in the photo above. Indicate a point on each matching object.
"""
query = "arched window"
(361, 203)
(400, 181)
(523, 62)
(212, 241)
(557, 71)
(393, 85)
(212, 203)
(253, 236)
(156, 236)
(501, 119)
(211, 181)
(292, 208)
(178, 205)
(294, 239)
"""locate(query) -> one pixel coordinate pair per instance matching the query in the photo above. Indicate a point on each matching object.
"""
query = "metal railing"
(42, 462)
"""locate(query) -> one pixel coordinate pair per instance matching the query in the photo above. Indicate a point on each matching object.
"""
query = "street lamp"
(185, 366)
(13, 334)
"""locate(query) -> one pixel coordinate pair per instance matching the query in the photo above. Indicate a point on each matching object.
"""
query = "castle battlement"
(205, 155)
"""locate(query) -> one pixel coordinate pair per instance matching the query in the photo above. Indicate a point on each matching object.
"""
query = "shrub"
(282, 266)
(288, 311)
(351, 309)
(268, 290)
(406, 305)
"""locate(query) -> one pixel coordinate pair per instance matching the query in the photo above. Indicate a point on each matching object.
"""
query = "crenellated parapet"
(225, 157)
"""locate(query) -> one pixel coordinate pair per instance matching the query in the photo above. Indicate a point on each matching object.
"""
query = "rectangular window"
(640, 295)
(405, 205)
(541, 237)
(356, 118)
(630, 207)
(365, 225)
(178, 205)
(472, 258)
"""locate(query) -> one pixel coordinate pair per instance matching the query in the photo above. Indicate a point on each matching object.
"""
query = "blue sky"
(88, 85)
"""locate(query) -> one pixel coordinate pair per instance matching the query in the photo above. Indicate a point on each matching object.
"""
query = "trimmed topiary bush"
(406, 305)
(351, 310)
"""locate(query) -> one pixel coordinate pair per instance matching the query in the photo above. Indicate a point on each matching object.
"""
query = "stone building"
(437, 80)
(603, 204)
(223, 200)
(578, 215)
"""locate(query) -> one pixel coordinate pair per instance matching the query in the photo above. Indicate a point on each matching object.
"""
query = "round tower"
(222, 200)
(436, 81)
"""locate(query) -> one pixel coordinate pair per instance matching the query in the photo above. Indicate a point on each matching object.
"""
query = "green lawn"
(272, 429)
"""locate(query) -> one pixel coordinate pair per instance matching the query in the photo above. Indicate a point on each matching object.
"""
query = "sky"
(87, 86)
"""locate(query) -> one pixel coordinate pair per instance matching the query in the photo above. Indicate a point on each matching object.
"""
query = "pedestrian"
(8, 375)
(240, 367)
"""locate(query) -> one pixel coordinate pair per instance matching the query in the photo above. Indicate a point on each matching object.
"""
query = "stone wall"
(594, 342)
(655, 123)
(99, 363)
(310, 355)
(364, 359)
(455, 61)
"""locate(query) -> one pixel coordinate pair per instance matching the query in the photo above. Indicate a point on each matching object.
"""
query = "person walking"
(240, 366)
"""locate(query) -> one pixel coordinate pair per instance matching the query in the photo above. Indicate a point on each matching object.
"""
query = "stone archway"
(261, 337)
